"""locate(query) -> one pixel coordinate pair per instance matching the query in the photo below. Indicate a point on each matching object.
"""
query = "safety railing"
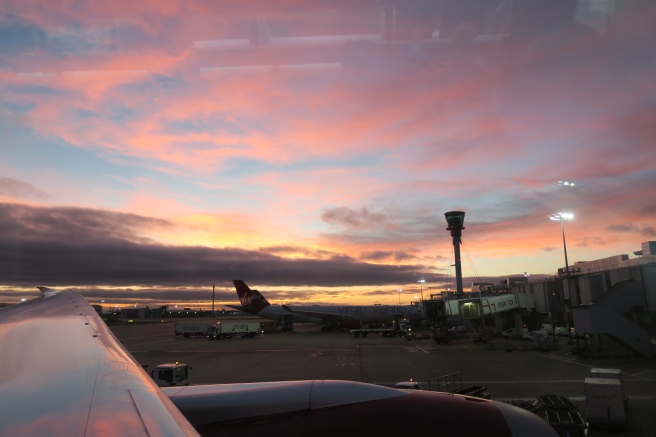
(446, 383)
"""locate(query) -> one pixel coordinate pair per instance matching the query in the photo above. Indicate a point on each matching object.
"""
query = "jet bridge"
(439, 310)
(471, 308)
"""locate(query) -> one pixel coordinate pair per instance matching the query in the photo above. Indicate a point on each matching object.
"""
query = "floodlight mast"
(562, 216)
(456, 220)
(421, 285)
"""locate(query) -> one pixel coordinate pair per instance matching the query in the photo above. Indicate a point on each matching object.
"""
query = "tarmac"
(511, 370)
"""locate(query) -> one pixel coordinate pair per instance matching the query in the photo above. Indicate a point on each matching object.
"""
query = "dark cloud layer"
(76, 246)
(72, 226)
(645, 231)
(649, 210)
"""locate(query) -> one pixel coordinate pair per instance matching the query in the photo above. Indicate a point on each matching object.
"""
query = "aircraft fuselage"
(365, 313)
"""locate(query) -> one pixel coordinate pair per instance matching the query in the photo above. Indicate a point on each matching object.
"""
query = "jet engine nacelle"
(345, 408)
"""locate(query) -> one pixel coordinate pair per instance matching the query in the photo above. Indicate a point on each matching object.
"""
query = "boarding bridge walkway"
(491, 305)
(606, 316)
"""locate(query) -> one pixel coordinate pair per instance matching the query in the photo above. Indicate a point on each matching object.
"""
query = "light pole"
(562, 216)
(421, 285)
(400, 290)
(526, 275)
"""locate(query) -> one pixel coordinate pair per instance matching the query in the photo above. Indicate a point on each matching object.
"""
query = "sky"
(150, 151)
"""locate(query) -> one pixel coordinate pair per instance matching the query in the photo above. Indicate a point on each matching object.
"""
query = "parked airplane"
(65, 374)
(330, 316)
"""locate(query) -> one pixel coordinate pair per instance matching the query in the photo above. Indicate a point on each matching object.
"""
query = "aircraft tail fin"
(251, 300)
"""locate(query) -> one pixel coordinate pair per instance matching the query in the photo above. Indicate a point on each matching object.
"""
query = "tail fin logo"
(250, 298)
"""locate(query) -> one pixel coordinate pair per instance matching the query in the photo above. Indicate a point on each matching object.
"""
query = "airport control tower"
(456, 221)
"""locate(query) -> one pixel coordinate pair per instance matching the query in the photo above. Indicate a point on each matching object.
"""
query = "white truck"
(171, 374)
(187, 329)
(514, 333)
(534, 336)
(243, 329)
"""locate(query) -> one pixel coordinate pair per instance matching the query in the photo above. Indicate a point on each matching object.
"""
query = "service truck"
(171, 374)
(386, 332)
(399, 327)
(220, 330)
(268, 326)
(562, 330)
(243, 329)
(187, 329)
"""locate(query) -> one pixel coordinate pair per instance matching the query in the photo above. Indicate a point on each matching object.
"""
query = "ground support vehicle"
(401, 327)
(480, 337)
(604, 398)
(475, 391)
(187, 329)
(171, 374)
(243, 329)
(220, 331)
(267, 326)
(386, 332)
(561, 331)
(414, 337)
(535, 335)
(513, 332)
(286, 324)
(459, 331)
(441, 335)
(561, 414)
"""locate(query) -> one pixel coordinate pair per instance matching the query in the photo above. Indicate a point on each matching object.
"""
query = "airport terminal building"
(610, 303)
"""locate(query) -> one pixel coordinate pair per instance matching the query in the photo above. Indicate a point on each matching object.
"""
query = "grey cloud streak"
(351, 218)
(380, 255)
(19, 189)
(75, 246)
(645, 231)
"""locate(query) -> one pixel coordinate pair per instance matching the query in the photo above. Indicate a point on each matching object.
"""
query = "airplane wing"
(63, 373)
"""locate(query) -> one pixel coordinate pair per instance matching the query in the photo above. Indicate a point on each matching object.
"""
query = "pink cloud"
(461, 121)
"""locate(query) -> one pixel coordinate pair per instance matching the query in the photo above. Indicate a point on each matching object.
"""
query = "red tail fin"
(251, 300)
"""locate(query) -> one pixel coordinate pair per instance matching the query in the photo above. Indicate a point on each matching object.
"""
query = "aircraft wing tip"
(47, 291)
